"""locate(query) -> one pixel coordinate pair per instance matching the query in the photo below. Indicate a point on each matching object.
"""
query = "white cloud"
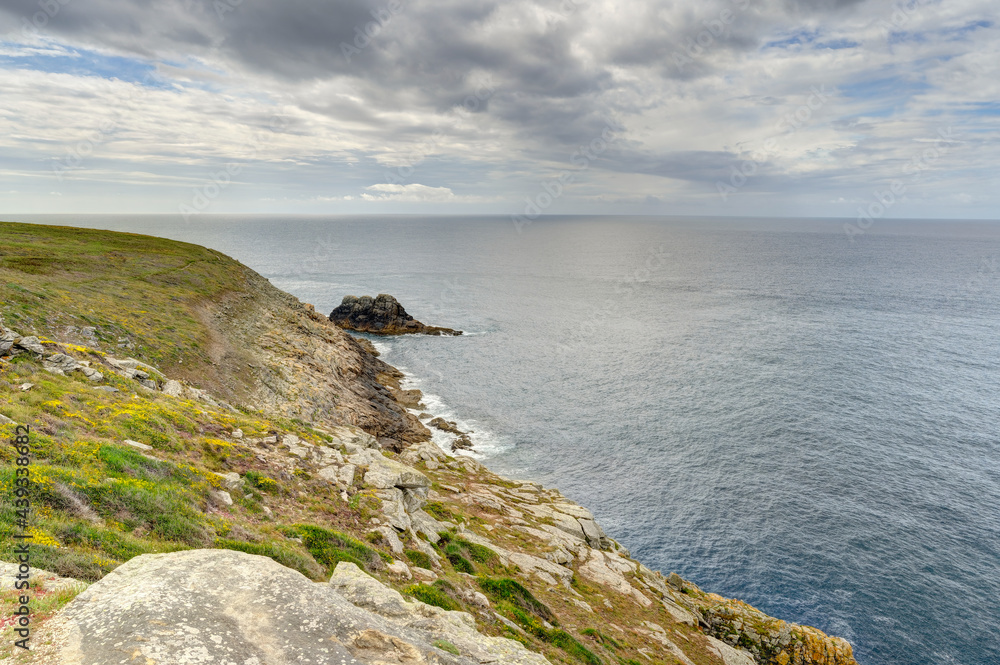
(413, 193)
(394, 114)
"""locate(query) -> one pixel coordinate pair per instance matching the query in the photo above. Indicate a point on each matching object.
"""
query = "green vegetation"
(461, 553)
(418, 558)
(479, 554)
(441, 512)
(572, 646)
(513, 592)
(45, 603)
(606, 640)
(432, 595)
(331, 547)
(286, 556)
(445, 645)
(454, 553)
(145, 290)
(261, 481)
(554, 636)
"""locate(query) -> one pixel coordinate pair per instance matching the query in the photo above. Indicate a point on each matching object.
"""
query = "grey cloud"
(559, 78)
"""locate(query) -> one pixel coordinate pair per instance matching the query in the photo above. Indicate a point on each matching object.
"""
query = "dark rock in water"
(462, 442)
(445, 425)
(381, 316)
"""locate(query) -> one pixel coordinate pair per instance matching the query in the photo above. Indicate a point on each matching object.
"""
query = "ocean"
(766, 407)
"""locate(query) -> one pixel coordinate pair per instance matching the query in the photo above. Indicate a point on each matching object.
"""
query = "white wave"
(485, 444)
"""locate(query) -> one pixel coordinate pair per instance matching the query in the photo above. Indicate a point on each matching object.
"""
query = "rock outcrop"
(382, 315)
(231, 608)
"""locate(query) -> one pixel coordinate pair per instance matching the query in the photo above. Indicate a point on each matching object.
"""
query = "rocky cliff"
(382, 315)
(240, 484)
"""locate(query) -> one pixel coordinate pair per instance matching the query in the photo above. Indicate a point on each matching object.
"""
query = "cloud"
(415, 193)
(490, 99)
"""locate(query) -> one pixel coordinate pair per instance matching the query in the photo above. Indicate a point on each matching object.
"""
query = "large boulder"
(229, 608)
(456, 628)
(382, 315)
(385, 473)
(32, 344)
(7, 339)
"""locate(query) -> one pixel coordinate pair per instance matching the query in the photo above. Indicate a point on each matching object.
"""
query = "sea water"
(770, 409)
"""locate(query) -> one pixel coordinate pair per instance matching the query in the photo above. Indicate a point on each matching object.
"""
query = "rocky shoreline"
(313, 499)
(566, 533)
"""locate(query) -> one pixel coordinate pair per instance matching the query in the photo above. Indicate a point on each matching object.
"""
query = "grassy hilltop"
(148, 294)
(255, 400)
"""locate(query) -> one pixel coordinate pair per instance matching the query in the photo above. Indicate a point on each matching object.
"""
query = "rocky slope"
(303, 513)
(382, 315)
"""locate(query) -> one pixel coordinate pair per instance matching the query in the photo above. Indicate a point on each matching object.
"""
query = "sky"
(809, 108)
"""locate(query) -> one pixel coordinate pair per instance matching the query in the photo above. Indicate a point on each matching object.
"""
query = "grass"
(454, 553)
(286, 556)
(440, 511)
(461, 553)
(511, 591)
(600, 637)
(479, 553)
(100, 503)
(554, 636)
(110, 542)
(331, 547)
(127, 286)
(418, 558)
(261, 481)
(432, 595)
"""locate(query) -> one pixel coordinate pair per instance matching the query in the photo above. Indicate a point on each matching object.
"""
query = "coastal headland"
(221, 474)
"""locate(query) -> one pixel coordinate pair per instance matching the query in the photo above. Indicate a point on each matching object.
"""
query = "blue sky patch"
(980, 109)
(838, 44)
(796, 39)
(886, 87)
(80, 62)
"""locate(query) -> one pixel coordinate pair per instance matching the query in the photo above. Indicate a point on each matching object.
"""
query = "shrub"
(511, 591)
(128, 462)
(570, 645)
(113, 544)
(331, 547)
(418, 558)
(454, 554)
(261, 482)
(73, 563)
(606, 640)
(479, 553)
(285, 556)
(556, 637)
(160, 508)
(431, 596)
(439, 511)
